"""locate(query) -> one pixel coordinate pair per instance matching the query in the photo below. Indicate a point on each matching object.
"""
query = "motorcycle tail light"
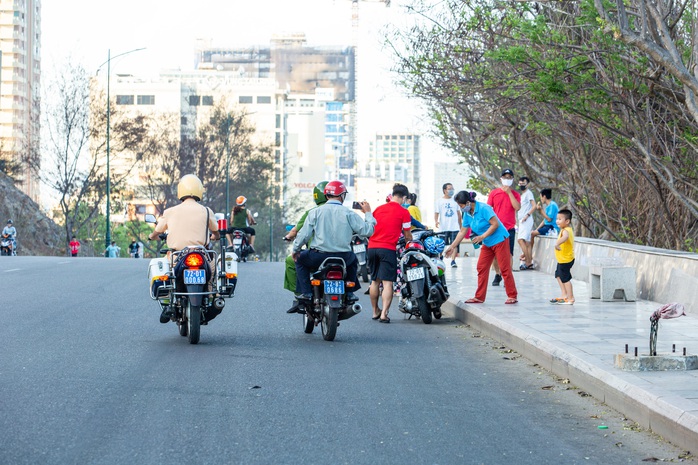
(415, 245)
(237, 234)
(315, 282)
(334, 274)
(194, 260)
(414, 265)
(335, 297)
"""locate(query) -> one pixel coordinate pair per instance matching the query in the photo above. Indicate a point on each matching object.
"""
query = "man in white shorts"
(525, 217)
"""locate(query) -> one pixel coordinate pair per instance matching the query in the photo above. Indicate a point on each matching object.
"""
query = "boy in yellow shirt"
(564, 254)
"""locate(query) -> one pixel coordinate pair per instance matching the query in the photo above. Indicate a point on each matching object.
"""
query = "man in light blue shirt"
(331, 227)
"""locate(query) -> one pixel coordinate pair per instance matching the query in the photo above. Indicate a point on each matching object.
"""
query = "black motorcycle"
(329, 304)
(359, 245)
(240, 244)
(423, 289)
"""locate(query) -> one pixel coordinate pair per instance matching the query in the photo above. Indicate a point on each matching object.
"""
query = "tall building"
(20, 46)
(394, 158)
(324, 73)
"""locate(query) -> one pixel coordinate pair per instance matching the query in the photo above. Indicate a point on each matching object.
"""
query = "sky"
(85, 31)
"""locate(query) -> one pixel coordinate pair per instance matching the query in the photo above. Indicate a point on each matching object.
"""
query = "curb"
(672, 417)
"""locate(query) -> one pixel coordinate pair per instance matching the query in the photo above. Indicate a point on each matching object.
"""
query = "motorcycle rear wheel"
(329, 322)
(364, 272)
(424, 310)
(193, 323)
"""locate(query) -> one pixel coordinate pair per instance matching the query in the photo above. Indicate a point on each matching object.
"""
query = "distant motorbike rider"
(331, 227)
(188, 223)
(242, 219)
(9, 232)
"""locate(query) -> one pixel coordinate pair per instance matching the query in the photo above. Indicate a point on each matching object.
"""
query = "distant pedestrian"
(74, 247)
(525, 217)
(141, 248)
(505, 202)
(133, 249)
(447, 217)
(564, 255)
(548, 208)
(491, 233)
(392, 219)
(112, 251)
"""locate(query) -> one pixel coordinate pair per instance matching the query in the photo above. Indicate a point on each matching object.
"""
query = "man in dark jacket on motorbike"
(186, 223)
(331, 227)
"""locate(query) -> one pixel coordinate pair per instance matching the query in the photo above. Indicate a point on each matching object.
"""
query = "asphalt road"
(89, 376)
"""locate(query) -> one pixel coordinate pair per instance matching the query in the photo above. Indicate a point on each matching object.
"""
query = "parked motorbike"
(359, 244)
(181, 282)
(423, 289)
(7, 246)
(329, 304)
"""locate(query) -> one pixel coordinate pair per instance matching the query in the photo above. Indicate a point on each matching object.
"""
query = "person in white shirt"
(447, 217)
(525, 217)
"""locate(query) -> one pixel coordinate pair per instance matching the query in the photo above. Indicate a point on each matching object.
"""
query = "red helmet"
(335, 188)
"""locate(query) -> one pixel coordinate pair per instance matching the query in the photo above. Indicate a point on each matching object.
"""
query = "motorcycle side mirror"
(150, 218)
(289, 227)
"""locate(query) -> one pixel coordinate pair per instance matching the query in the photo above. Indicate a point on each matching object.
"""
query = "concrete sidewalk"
(579, 342)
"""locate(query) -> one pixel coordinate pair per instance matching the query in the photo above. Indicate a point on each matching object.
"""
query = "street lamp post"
(107, 238)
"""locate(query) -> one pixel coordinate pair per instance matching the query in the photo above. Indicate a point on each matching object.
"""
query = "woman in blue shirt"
(488, 231)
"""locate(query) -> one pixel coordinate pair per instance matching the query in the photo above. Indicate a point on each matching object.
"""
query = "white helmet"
(190, 186)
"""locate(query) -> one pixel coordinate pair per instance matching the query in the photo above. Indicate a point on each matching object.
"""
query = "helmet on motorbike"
(319, 193)
(335, 188)
(241, 200)
(190, 186)
(434, 245)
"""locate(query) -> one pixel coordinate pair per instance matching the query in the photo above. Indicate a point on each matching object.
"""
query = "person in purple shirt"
(494, 237)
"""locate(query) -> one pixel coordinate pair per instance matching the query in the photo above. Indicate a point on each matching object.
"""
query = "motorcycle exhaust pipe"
(349, 312)
(219, 303)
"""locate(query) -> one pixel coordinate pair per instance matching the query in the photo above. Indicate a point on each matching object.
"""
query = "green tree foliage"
(548, 89)
(221, 149)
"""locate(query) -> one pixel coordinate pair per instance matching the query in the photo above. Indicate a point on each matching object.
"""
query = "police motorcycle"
(423, 289)
(329, 304)
(359, 245)
(180, 282)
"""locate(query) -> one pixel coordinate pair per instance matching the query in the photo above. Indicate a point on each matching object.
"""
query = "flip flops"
(510, 300)
(557, 300)
(474, 301)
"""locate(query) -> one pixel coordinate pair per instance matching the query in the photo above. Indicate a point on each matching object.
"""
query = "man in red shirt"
(392, 219)
(505, 202)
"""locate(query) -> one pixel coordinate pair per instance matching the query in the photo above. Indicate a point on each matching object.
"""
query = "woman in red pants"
(488, 231)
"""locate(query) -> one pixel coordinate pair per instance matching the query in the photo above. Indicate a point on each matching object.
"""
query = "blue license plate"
(334, 287)
(194, 276)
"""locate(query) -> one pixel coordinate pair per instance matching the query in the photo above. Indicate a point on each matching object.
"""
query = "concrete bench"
(610, 283)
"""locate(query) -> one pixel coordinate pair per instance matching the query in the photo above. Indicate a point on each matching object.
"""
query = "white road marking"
(13, 269)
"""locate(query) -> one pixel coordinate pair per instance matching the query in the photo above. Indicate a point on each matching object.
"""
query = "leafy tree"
(543, 88)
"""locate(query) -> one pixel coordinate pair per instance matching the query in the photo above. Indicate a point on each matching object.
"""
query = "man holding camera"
(331, 227)
(392, 219)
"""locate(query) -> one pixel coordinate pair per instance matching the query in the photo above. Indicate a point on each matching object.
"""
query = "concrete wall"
(662, 275)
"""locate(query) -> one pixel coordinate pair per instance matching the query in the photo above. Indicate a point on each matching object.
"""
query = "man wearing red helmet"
(331, 227)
